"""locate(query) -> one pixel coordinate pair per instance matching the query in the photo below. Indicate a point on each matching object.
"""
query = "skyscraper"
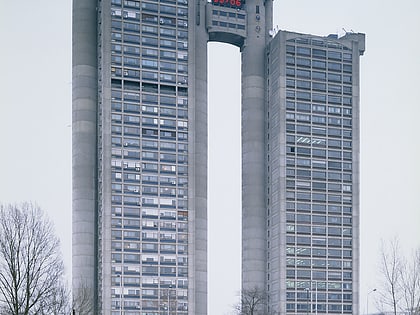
(140, 157)
(312, 158)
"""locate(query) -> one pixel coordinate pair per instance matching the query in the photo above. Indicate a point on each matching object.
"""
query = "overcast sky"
(35, 119)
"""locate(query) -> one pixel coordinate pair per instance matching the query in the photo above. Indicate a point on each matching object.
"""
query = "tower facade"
(140, 158)
(312, 158)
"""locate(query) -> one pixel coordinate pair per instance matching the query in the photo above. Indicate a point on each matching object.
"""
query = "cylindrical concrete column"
(253, 160)
(84, 114)
(197, 172)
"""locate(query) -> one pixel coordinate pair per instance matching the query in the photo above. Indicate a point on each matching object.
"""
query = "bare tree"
(410, 284)
(390, 268)
(83, 301)
(400, 288)
(253, 302)
(31, 266)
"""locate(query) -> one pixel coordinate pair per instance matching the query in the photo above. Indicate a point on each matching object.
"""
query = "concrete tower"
(84, 149)
(140, 158)
(313, 173)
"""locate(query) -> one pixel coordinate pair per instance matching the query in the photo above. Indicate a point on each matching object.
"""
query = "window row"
(320, 120)
(330, 252)
(318, 275)
(163, 293)
(315, 207)
(330, 154)
(147, 133)
(317, 150)
(137, 166)
(319, 75)
(319, 263)
(150, 236)
(146, 42)
(161, 95)
(229, 25)
(314, 294)
(151, 110)
(133, 62)
(319, 307)
(162, 282)
(136, 3)
(133, 13)
(318, 175)
(163, 30)
(318, 197)
(152, 132)
(151, 201)
(136, 51)
(330, 230)
(135, 212)
(153, 18)
(149, 155)
(149, 307)
(152, 259)
(301, 219)
(293, 96)
(127, 119)
(149, 233)
(318, 64)
(153, 156)
(150, 190)
(318, 131)
(149, 248)
(318, 53)
(146, 270)
(149, 76)
(331, 219)
(320, 153)
(290, 284)
(319, 221)
(319, 86)
(163, 112)
(230, 15)
(330, 165)
(179, 107)
(302, 185)
(316, 240)
(334, 146)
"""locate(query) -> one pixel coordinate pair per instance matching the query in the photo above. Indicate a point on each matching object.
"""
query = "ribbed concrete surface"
(84, 144)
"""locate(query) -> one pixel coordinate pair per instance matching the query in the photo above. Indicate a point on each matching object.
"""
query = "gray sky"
(35, 118)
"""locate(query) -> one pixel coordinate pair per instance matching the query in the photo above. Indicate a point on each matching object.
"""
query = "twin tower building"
(140, 158)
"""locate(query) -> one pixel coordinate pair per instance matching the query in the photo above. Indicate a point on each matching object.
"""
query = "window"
(290, 72)
(319, 219)
(303, 51)
(334, 77)
(303, 62)
(316, 75)
(317, 86)
(303, 84)
(334, 55)
(334, 66)
(321, 98)
(319, 53)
